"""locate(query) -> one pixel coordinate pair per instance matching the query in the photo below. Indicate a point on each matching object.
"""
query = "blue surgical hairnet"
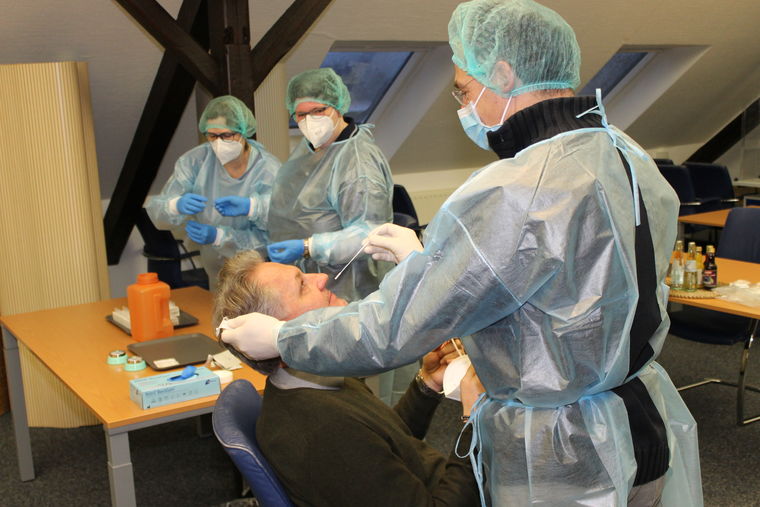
(534, 40)
(237, 117)
(318, 85)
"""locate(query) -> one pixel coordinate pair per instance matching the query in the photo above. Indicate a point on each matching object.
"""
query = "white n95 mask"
(317, 129)
(226, 151)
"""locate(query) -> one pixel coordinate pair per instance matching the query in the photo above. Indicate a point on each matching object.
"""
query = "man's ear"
(503, 77)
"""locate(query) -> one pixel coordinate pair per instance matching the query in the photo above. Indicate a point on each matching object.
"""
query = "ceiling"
(123, 59)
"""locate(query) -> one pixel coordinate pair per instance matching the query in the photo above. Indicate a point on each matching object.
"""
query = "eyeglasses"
(460, 94)
(317, 111)
(227, 137)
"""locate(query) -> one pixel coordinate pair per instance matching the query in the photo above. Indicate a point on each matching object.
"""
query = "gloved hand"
(233, 206)
(190, 204)
(285, 252)
(254, 334)
(202, 234)
(392, 243)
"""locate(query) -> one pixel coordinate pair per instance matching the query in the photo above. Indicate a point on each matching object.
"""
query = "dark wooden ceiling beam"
(168, 32)
(230, 36)
(168, 97)
(283, 35)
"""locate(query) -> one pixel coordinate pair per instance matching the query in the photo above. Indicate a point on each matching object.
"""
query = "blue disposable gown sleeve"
(360, 192)
(260, 211)
(452, 288)
(180, 182)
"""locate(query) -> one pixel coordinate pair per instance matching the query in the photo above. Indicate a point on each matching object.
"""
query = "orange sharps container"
(148, 302)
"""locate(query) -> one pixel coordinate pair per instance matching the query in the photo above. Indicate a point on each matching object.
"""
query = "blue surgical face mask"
(473, 126)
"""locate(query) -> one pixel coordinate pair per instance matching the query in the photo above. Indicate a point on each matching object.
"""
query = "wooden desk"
(74, 342)
(710, 218)
(728, 271)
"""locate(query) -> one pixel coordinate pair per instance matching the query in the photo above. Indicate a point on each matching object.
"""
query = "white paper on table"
(453, 375)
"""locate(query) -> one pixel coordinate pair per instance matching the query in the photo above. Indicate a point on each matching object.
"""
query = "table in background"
(729, 270)
(74, 342)
(710, 218)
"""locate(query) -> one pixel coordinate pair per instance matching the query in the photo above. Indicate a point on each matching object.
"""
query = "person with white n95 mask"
(334, 189)
(219, 191)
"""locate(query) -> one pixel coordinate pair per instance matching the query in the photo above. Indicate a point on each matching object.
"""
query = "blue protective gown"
(335, 196)
(199, 171)
(533, 261)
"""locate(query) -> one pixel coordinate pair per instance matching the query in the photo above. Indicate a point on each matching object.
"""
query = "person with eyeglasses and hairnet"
(550, 263)
(220, 190)
(333, 190)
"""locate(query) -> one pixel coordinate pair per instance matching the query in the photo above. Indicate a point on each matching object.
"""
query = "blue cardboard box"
(166, 388)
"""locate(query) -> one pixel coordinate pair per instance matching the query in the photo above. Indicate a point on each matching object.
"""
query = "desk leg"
(120, 473)
(18, 406)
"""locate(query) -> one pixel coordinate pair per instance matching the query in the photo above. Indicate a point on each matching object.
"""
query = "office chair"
(712, 181)
(740, 241)
(164, 257)
(679, 178)
(404, 213)
(234, 421)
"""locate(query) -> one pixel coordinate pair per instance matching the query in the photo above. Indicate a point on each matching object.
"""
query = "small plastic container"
(148, 302)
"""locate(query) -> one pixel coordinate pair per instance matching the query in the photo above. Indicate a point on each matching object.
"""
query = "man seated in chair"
(330, 440)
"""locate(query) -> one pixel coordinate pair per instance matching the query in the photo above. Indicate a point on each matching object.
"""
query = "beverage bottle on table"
(690, 275)
(700, 267)
(710, 271)
(676, 266)
(148, 302)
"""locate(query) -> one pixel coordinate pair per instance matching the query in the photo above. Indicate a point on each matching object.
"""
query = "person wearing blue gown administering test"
(550, 262)
(220, 190)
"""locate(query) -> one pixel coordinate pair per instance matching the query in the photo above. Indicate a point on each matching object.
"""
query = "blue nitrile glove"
(190, 204)
(233, 206)
(200, 233)
(286, 252)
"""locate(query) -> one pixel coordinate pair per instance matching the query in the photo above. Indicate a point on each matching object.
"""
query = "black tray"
(185, 320)
(175, 351)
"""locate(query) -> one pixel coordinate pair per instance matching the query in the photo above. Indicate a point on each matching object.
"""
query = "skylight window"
(621, 67)
(368, 76)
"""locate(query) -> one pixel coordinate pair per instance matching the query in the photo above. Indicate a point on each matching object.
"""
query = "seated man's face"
(297, 292)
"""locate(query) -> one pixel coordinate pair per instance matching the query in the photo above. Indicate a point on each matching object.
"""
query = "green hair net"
(237, 117)
(318, 85)
(534, 40)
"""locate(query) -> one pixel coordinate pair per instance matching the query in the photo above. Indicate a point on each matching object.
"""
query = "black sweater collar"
(541, 121)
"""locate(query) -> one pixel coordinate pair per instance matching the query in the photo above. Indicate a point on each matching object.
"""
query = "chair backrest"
(158, 243)
(234, 422)
(402, 202)
(165, 257)
(710, 180)
(679, 179)
(740, 239)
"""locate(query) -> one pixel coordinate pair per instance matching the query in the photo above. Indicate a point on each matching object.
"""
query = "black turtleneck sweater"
(543, 121)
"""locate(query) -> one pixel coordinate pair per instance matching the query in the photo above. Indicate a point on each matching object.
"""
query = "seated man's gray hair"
(237, 294)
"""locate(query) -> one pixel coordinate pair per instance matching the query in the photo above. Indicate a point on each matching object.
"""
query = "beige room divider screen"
(51, 225)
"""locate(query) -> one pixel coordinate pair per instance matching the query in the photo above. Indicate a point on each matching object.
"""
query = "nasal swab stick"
(352, 260)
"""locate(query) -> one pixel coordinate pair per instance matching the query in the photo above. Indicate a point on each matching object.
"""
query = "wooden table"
(74, 342)
(709, 218)
(728, 271)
